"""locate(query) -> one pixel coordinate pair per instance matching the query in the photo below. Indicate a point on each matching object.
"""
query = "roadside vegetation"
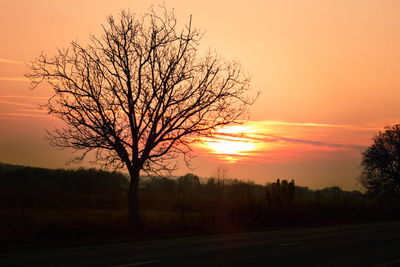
(61, 206)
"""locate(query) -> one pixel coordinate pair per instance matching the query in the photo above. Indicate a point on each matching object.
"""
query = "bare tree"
(139, 95)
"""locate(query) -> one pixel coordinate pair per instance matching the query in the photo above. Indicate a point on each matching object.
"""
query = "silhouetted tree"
(276, 192)
(280, 192)
(211, 186)
(221, 177)
(160, 185)
(139, 95)
(188, 183)
(380, 166)
(291, 191)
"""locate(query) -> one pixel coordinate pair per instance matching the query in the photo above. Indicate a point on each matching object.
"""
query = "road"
(374, 244)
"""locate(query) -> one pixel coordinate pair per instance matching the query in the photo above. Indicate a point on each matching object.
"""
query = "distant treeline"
(244, 202)
(93, 181)
(80, 181)
(281, 192)
(40, 203)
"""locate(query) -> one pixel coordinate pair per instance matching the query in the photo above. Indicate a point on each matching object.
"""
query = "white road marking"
(137, 263)
(290, 244)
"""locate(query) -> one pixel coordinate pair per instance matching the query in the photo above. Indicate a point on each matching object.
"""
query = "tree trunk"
(133, 198)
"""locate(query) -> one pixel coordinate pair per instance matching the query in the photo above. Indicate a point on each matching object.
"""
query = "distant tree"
(211, 186)
(221, 178)
(380, 166)
(160, 184)
(241, 190)
(276, 192)
(139, 95)
(188, 183)
(291, 191)
(280, 192)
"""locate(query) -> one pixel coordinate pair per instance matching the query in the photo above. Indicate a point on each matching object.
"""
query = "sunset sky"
(328, 73)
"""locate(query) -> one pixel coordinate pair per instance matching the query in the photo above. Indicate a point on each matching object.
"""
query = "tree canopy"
(380, 166)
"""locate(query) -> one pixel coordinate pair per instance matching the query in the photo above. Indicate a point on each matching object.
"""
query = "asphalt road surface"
(375, 244)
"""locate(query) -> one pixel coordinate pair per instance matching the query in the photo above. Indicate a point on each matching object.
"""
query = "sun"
(231, 143)
(230, 147)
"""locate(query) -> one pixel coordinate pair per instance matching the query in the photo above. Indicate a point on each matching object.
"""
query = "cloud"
(244, 137)
(14, 79)
(270, 138)
(273, 123)
(356, 147)
(345, 136)
(30, 103)
(11, 61)
(280, 140)
(32, 110)
(247, 157)
(23, 97)
(4, 115)
(306, 124)
(319, 143)
(16, 103)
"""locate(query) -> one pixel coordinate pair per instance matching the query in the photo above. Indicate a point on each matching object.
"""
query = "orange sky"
(328, 72)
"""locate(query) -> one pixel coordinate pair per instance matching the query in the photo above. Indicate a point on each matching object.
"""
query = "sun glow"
(230, 147)
(231, 143)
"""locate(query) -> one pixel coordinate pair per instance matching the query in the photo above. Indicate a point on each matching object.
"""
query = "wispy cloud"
(261, 137)
(4, 115)
(33, 110)
(24, 97)
(275, 140)
(310, 142)
(274, 123)
(306, 124)
(11, 61)
(14, 106)
(14, 79)
(17, 103)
